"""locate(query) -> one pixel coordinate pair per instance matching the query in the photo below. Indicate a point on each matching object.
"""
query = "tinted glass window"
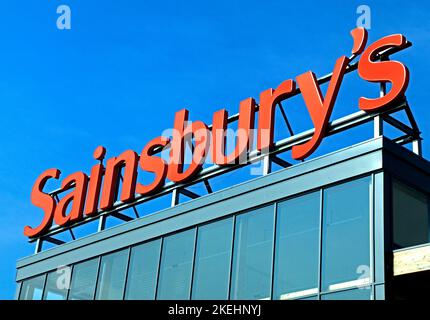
(213, 260)
(252, 258)
(84, 277)
(297, 245)
(176, 266)
(357, 294)
(309, 298)
(143, 270)
(32, 288)
(346, 235)
(111, 281)
(410, 213)
(57, 284)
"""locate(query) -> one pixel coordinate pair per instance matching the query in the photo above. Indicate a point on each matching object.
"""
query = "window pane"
(297, 243)
(410, 212)
(143, 269)
(213, 259)
(252, 260)
(84, 276)
(346, 235)
(57, 284)
(176, 266)
(111, 281)
(309, 298)
(357, 294)
(32, 289)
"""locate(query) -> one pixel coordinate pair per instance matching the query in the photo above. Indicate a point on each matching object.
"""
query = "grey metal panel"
(379, 228)
(18, 290)
(411, 173)
(405, 155)
(380, 292)
(353, 161)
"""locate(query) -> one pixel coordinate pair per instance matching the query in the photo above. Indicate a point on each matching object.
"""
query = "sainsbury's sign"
(88, 197)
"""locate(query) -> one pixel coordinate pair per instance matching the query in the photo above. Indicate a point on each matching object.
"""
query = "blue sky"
(118, 76)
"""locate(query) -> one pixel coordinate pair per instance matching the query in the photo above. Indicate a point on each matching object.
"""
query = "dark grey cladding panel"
(403, 164)
(347, 163)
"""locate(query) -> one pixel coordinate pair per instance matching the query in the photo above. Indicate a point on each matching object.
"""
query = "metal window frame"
(21, 284)
(322, 292)
(244, 212)
(192, 228)
(131, 247)
(233, 224)
(46, 281)
(97, 258)
(127, 249)
(274, 206)
(248, 187)
(381, 182)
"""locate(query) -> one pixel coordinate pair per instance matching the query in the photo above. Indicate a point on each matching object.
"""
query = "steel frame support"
(411, 135)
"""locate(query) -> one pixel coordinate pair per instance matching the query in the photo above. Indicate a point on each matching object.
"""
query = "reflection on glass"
(212, 263)
(356, 294)
(57, 283)
(309, 298)
(297, 243)
(176, 266)
(142, 272)
(410, 212)
(346, 244)
(32, 288)
(111, 282)
(84, 277)
(252, 258)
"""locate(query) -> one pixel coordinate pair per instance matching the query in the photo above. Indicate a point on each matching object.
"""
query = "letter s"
(383, 71)
(152, 164)
(44, 201)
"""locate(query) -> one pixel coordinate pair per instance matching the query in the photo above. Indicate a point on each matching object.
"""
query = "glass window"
(143, 270)
(297, 247)
(111, 281)
(252, 259)
(176, 266)
(357, 294)
(346, 243)
(32, 288)
(84, 277)
(57, 284)
(213, 259)
(309, 298)
(410, 213)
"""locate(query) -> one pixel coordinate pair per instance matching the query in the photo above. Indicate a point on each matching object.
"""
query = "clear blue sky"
(118, 76)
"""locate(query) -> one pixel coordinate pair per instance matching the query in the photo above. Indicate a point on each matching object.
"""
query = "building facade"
(340, 226)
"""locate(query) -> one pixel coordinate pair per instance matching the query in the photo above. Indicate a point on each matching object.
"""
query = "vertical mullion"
(372, 235)
(275, 215)
(231, 258)
(44, 286)
(18, 291)
(320, 245)
(159, 268)
(388, 234)
(97, 277)
(127, 268)
(196, 233)
(70, 281)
